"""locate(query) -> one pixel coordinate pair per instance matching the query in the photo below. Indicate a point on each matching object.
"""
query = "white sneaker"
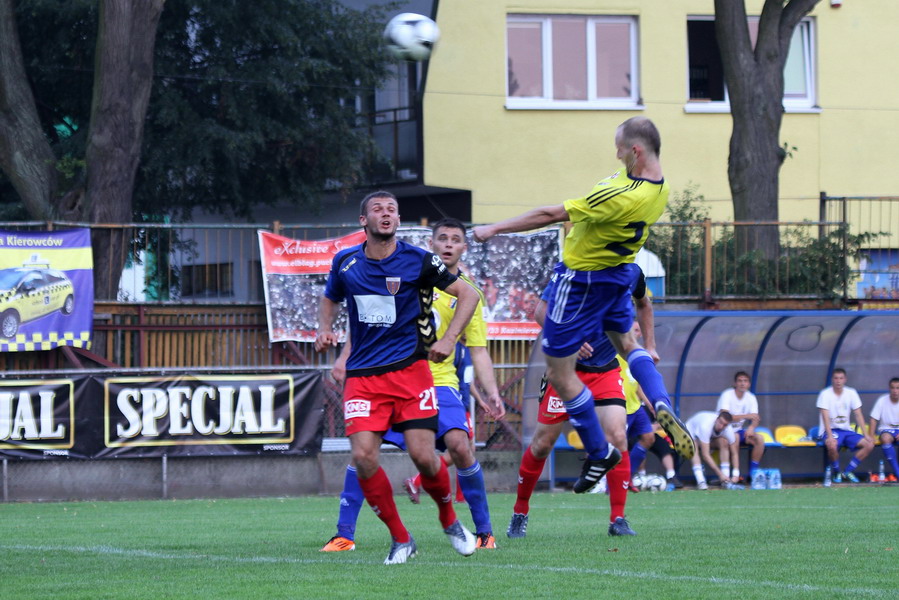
(702, 485)
(400, 553)
(464, 542)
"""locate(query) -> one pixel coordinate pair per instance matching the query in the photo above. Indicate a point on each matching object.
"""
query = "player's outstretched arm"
(532, 219)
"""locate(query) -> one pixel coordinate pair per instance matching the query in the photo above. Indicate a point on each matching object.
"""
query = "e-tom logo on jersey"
(375, 310)
(353, 409)
(555, 405)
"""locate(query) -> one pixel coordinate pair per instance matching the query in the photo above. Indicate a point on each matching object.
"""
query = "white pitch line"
(729, 507)
(467, 565)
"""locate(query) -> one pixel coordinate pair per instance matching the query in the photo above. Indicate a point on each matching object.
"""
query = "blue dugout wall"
(790, 356)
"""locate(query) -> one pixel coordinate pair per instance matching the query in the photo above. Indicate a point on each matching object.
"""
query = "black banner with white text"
(109, 416)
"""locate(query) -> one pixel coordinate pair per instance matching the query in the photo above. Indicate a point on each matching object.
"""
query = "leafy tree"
(251, 102)
(755, 85)
(255, 102)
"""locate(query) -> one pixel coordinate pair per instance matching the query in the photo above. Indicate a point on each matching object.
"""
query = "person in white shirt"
(743, 405)
(885, 421)
(705, 426)
(835, 404)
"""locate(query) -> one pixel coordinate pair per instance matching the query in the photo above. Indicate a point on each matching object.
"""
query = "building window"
(209, 281)
(707, 90)
(571, 62)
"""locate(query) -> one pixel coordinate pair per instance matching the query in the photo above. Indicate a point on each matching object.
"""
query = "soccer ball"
(638, 481)
(654, 483)
(411, 37)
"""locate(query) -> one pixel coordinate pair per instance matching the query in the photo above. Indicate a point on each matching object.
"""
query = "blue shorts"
(638, 423)
(583, 305)
(845, 438)
(450, 415)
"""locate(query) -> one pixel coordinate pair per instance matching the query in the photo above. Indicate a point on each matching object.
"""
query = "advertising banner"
(879, 275)
(100, 416)
(294, 274)
(46, 289)
(510, 269)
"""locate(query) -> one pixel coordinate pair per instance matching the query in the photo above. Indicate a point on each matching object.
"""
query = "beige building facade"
(541, 131)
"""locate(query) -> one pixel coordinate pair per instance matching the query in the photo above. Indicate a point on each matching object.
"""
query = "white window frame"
(547, 102)
(807, 104)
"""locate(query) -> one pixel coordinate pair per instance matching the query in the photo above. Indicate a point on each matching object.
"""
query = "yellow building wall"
(513, 160)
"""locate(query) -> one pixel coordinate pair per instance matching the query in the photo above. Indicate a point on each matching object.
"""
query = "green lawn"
(809, 542)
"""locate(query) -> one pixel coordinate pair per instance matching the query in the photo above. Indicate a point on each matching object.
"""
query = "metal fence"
(191, 264)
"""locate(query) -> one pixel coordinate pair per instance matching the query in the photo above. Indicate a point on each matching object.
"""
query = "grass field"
(807, 542)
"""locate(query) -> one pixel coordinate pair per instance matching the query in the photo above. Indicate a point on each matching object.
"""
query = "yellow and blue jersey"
(475, 333)
(612, 222)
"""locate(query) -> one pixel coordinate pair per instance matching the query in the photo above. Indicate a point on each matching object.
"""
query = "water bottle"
(759, 480)
(774, 479)
(881, 476)
(827, 477)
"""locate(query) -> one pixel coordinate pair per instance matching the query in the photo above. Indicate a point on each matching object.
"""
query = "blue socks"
(638, 453)
(889, 452)
(351, 499)
(753, 467)
(471, 480)
(644, 371)
(582, 416)
(853, 465)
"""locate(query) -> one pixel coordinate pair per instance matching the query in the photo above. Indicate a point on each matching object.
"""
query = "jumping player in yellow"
(592, 288)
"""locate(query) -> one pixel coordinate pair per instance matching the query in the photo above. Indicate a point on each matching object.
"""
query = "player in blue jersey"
(388, 287)
(453, 432)
(591, 295)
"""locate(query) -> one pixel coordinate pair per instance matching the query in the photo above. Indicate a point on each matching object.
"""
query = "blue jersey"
(388, 304)
(464, 371)
(603, 350)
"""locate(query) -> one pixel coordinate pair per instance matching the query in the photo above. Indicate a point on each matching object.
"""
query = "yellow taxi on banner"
(30, 292)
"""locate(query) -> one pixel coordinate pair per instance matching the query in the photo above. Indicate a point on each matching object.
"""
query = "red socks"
(528, 474)
(438, 488)
(379, 495)
(618, 480)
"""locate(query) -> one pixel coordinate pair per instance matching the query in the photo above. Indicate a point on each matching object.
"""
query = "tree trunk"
(25, 154)
(755, 85)
(124, 77)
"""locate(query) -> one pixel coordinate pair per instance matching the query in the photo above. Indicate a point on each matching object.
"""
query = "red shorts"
(604, 386)
(376, 402)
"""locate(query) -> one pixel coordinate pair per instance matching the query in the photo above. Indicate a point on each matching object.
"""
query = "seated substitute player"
(743, 405)
(388, 288)
(448, 242)
(600, 370)
(705, 426)
(885, 421)
(835, 403)
(593, 284)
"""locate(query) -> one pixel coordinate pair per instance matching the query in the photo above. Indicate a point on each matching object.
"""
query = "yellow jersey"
(632, 402)
(443, 308)
(612, 222)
